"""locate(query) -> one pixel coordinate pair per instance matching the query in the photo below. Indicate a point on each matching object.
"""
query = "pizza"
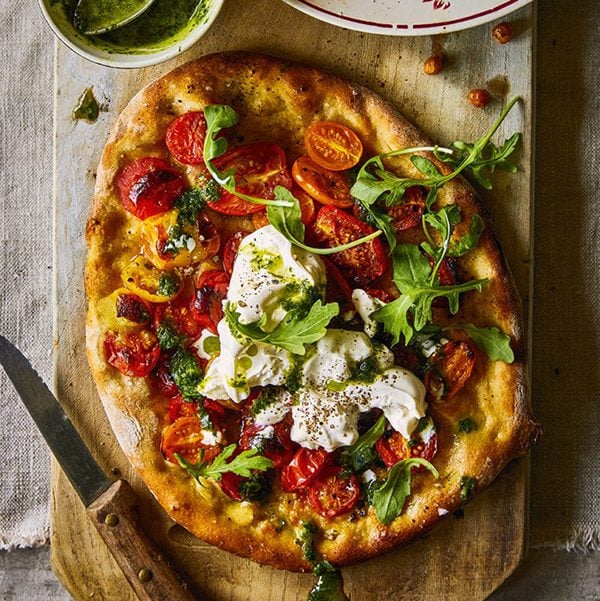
(300, 324)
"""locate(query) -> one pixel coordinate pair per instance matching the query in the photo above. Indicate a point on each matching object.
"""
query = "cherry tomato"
(393, 447)
(278, 447)
(451, 367)
(230, 250)
(307, 205)
(260, 220)
(303, 468)
(332, 145)
(180, 315)
(180, 408)
(211, 290)
(409, 212)
(328, 187)
(184, 437)
(259, 168)
(332, 494)
(144, 279)
(380, 294)
(133, 354)
(338, 291)
(162, 377)
(149, 186)
(230, 485)
(133, 308)
(361, 264)
(185, 138)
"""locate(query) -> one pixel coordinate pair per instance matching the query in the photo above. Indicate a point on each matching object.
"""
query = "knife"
(111, 505)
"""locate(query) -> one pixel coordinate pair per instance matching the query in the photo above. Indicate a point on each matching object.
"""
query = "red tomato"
(180, 408)
(211, 289)
(332, 494)
(380, 294)
(328, 187)
(133, 308)
(184, 437)
(132, 354)
(451, 367)
(149, 186)
(361, 264)
(230, 250)
(303, 468)
(230, 485)
(332, 145)
(393, 447)
(163, 378)
(180, 314)
(259, 169)
(409, 212)
(278, 447)
(338, 290)
(185, 138)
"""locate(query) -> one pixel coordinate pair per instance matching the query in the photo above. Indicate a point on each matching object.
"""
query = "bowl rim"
(133, 61)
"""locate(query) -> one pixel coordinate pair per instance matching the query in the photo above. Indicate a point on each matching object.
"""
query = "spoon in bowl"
(94, 17)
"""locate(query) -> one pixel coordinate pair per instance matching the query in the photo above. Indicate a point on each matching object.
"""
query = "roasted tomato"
(144, 279)
(149, 186)
(133, 354)
(259, 168)
(328, 187)
(332, 494)
(338, 290)
(169, 244)
(451, 367)
(274, 441)
(409, 212)
(304, 468)
(393, 447)
(179, 315)
(132, 308)
(180, 408)
(185, 138)
(230, 485)
(332, 145)
(163, 378)
(361, 264)
(124, 311)
(184, 437)
(211, 290)
(230, 250)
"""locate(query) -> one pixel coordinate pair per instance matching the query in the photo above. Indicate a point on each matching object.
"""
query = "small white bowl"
(113, 57)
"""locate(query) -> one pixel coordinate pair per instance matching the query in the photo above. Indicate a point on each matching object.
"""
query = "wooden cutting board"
(464, 558)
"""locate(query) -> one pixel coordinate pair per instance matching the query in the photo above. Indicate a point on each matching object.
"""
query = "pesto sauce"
(329, 585)
(87, 107)
(95, 16)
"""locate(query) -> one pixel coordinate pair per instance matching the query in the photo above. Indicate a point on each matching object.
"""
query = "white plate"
(407, 17)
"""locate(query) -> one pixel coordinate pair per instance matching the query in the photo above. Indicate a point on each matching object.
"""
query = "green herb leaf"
(470, 240)
(359, 455)
(241, 465)
(494, 343)
(389, 499)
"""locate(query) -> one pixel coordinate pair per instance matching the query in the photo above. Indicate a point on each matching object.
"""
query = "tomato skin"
(180, 408)
(133, 308)
(338, 290)
(393, 447)
(332, 494)
(180, 314)
(230, 251)
(211, 289)
(307, 205)
(409, 212)
(451, 367)
(361, 264)
(332, 145)
(184, 437)
(259, 168)
(304, 468)
(149, 186)
(162, 377)
(230, 485)
(134, 354)
(185, 138)
(328, 187)
(279, 448)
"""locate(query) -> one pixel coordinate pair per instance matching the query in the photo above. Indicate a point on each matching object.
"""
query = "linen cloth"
(564, 483)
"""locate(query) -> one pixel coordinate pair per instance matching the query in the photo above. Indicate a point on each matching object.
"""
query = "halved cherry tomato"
(361, 264)
(133, 354)
(332, 145)
(230, 485)
(180, 408)
(133, 308)
(409, 212)
(144, 279)
(338, 290)
(149, 186)
(332, 494)
(278, 447)
(185, 138)
(307, 205)
(304, 468)
(180, 315)
(393, 447)
(259, 168)
(451, 367)
(184, 437)
(380, 294)
(211, 290)
(230, 250)
(163, 378)
(328, 187)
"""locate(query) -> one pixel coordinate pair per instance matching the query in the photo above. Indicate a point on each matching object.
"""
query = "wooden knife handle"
(115, 515)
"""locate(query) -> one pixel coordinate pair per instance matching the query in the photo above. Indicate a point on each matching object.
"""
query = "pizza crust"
(276, 101)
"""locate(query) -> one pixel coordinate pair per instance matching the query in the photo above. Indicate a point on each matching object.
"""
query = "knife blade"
(112, 505)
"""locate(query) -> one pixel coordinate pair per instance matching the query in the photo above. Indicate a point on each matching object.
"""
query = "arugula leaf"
(242, 464)
(494, 343)
(286, 219)
(359, 455)
(379, 219)
(293, 332)
(389, 499)
(469, 240)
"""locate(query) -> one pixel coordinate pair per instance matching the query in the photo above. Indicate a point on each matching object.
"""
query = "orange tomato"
(332, 145)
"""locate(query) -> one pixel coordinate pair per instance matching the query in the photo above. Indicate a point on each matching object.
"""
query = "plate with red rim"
(407, 17)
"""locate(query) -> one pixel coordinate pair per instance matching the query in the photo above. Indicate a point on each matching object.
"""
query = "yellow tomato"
(142, 278)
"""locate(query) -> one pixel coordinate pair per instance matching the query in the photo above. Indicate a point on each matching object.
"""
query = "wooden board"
(463, 558)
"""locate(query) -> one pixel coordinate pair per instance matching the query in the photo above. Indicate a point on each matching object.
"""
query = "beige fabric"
(565, 482)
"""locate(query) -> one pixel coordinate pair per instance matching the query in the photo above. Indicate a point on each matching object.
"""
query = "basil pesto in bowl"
(164, 30)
